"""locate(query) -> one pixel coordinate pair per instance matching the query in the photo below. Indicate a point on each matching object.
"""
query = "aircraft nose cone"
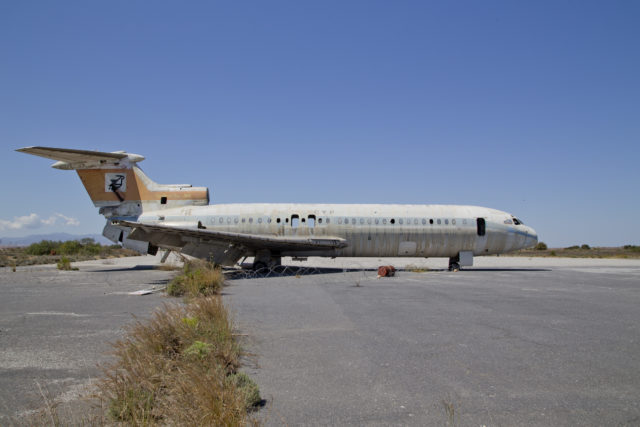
(532, 238)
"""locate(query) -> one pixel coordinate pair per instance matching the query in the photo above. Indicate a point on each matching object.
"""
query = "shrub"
(172, 370)
(45, 247)
(573, 247)
(86, 246)
(542, 246)
(585, 246)
(197, 278)
(65, 264)
(247, 387)
(198, 349)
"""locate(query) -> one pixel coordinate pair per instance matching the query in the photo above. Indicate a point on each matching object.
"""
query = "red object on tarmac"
(386, 271)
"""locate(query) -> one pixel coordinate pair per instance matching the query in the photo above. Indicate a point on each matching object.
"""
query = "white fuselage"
(370, 230)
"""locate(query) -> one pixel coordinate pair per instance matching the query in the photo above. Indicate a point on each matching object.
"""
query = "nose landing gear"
(454, 263)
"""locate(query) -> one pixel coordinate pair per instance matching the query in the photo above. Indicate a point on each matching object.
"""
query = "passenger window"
(278, 220)
(384, 220)
(393, 221)
(353, 221)
(228, 220)
(269, 220)
(319, 220)
(163, 200)
(250, 220)
(339, 220)
(424, 221)
(415, 221)
(377, 221)
(221, 220)
(369, 221)
(346, 221)
(361, 221)
(244, 220)
(328, 220)
(446, 221)
(260, 220)
(439, 221)
(453, 221)
(400, 221)
(235, 220)
(431, 221)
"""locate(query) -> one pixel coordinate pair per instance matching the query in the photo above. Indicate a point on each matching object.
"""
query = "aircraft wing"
(223, 246)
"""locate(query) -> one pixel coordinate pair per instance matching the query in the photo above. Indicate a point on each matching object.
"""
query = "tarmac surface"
(510, 341)
(56, 326)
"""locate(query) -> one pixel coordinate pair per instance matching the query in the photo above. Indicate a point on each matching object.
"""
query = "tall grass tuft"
(179, 368)
(197, 278)
(65, 264)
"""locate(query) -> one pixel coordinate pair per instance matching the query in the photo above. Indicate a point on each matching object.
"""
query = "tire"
(259, 265)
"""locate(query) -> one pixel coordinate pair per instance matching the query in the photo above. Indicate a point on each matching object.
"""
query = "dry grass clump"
(180, 368)
(415, 269)
(65, 264)
(168, 267)
(47, 252)
(197, 278)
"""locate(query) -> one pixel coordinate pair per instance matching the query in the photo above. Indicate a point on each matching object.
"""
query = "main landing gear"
(265, 260)
(454, 263)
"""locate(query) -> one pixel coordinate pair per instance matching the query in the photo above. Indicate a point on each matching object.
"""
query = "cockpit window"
(508, 221)
(516, 221)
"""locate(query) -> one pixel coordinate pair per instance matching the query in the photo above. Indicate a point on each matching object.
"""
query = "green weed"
(65, 264)
(197, 278)
(179, 368)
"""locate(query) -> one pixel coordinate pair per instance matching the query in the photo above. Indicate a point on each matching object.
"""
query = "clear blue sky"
(528, 107)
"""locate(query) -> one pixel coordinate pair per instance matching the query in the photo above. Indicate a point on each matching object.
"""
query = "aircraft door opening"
(482, 228)
(311, 222)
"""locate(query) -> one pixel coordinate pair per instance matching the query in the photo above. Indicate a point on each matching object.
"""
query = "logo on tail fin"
(115, 182)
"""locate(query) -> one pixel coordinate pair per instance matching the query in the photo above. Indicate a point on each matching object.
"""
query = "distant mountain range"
(63, 237)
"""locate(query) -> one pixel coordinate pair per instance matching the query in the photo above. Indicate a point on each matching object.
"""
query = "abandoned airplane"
(147, 216)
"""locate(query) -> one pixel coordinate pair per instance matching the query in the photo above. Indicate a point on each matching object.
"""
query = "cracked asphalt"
(511, 341)
(57, 326)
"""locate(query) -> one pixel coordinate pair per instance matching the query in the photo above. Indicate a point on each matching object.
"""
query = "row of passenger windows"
(295, 221)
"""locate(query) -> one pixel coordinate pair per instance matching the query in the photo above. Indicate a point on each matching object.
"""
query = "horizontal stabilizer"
(83, 159)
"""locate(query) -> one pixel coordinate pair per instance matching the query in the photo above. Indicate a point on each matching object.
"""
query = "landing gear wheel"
(454, 263)
(259, 265)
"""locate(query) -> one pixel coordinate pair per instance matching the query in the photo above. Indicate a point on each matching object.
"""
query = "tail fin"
(117, 185)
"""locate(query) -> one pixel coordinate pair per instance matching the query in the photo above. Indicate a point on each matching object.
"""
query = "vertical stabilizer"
(117, 185)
